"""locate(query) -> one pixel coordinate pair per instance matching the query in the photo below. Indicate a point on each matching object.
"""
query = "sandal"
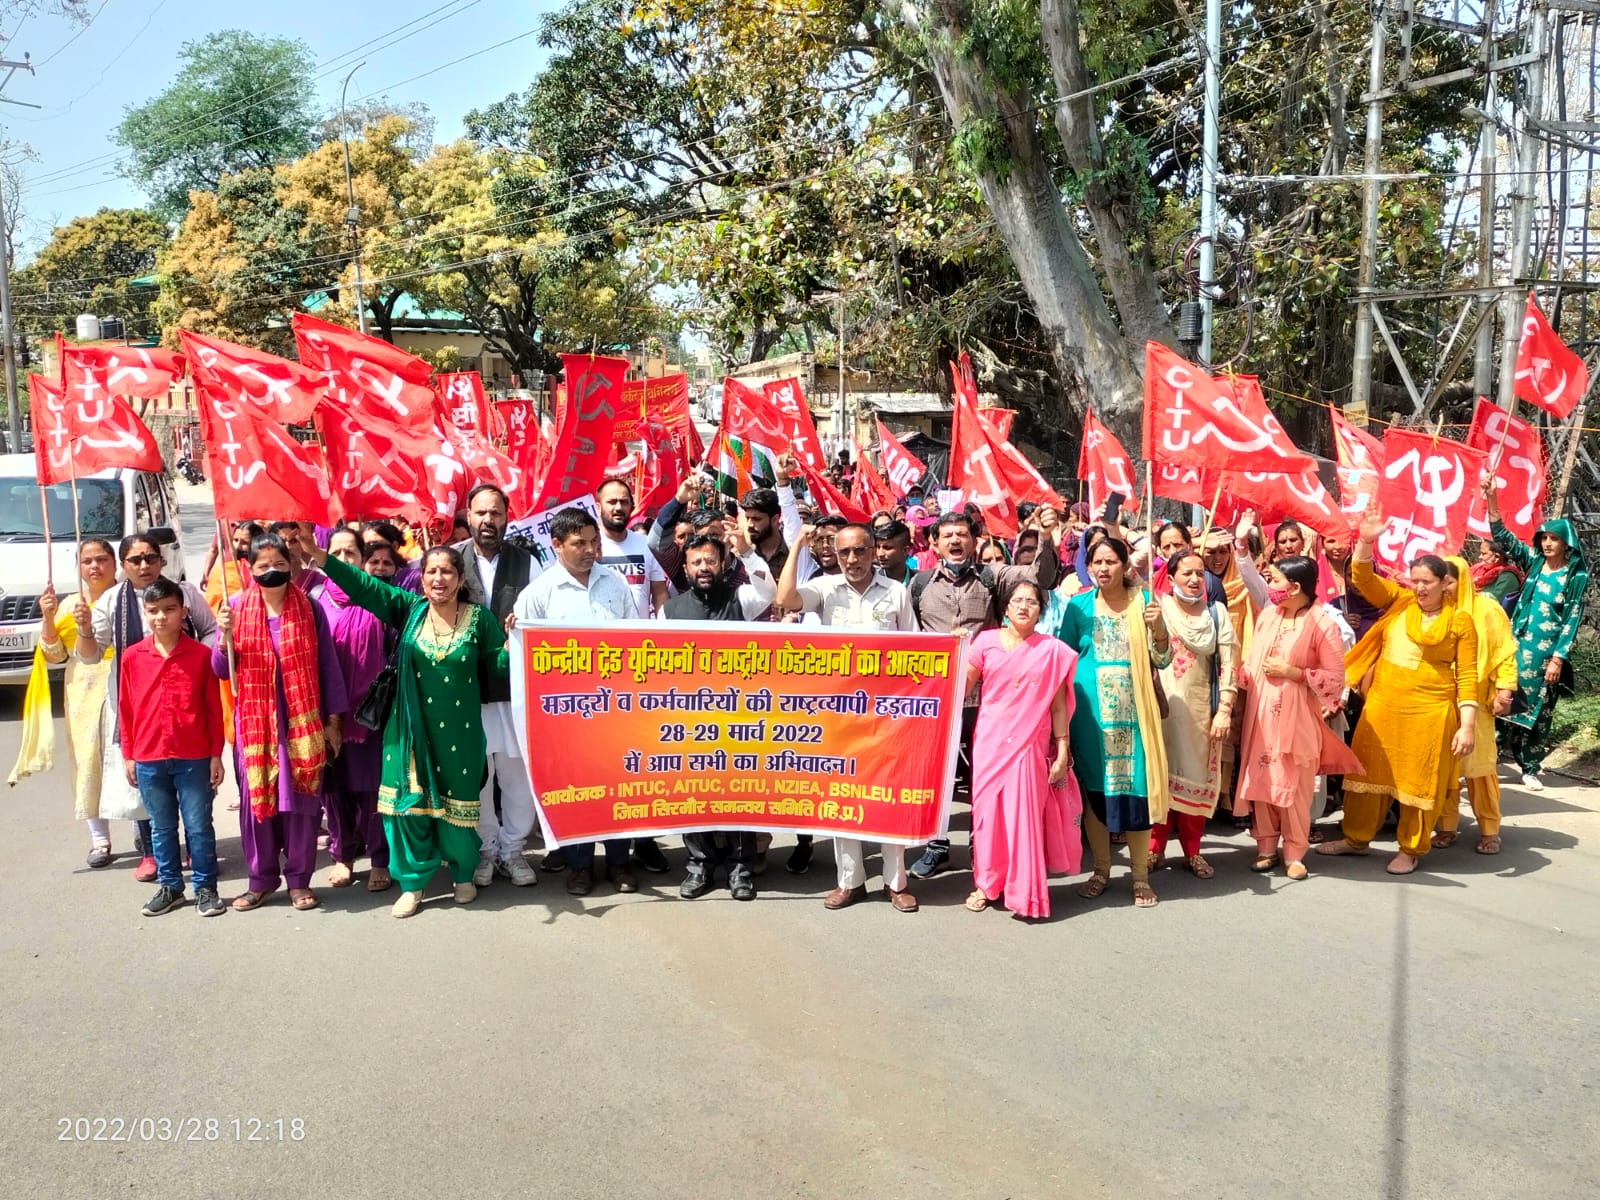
(1264, 864)
(303, 898)
(1200, 868)
(340, 875)
(1296, 870)
(1157, 860)
(1316, 837)
(378, 880)
(1339, 847)
(977, 901)
(1094, 886)
(1444, 839)
(1489, 844)
(1402, 864)
(1144, 896)
(249, 900)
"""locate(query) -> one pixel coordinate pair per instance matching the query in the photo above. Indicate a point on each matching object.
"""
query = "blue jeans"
(580, 855)
(168, 788)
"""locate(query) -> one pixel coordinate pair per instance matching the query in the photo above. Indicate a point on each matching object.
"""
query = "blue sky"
(86, 77)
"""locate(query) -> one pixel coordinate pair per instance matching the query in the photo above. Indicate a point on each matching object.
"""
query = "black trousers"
(703, 849)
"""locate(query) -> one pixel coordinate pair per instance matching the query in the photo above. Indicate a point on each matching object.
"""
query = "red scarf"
(1483, 574)
(256, 673)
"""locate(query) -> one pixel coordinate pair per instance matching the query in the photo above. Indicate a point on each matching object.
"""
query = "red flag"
(52, 444)
(283, 389)
(1426, 494)
(1194, 420)
(829, 498)
(376, 469)
(594, 388)
(661, 471)
(1029, 485)
(101, 426)
(143, 372)
(1276, 497)
(999, 421)
(869, 493)
(1516, 456)
(484, 463)
(1191, 485)
(366, 375)
(521, 422)
(1360, 458)
(257, 468)
(977, 467)
(462, 401)
(903, 468)
(1548, 374)
(1104, 466)
(786, 396)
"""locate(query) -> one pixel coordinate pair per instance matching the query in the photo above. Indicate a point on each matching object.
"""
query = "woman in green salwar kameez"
(433, 744)
(1545, 624)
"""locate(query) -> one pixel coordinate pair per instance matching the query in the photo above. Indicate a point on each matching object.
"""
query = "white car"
(111, 505)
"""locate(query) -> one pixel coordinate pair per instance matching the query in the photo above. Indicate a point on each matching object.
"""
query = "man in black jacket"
(497, 571)
(712, 596)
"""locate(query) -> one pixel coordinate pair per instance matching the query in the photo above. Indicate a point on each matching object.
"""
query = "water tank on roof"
(111, 329)
(88, 327)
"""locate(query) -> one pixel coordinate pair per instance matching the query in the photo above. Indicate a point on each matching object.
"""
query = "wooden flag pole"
(49, 554)
(1211, 513)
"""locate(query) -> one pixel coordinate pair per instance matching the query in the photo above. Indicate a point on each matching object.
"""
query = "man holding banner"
(858, 597)
(578, 589)
(711, 597)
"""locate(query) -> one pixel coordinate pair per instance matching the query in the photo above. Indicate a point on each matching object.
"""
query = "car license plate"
(16, 639)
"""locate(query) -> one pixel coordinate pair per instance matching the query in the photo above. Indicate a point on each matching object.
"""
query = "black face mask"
(272, 579)
(244, 553)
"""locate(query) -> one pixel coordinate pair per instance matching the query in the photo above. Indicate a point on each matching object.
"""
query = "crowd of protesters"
(1123, 689)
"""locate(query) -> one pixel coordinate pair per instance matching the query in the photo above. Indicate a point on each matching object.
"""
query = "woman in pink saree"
(1025, 803)
(1294, 677)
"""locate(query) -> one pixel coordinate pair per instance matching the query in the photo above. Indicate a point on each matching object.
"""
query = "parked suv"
(111, 505)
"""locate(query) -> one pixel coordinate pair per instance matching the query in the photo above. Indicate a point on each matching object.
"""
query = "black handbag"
(373, 711)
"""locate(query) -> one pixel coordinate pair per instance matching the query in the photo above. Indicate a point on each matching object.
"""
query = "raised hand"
(1372, 522)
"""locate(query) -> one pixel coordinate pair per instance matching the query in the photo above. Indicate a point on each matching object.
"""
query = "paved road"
(1351, 1036)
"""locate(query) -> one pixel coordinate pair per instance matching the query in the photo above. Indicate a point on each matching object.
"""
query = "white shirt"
(884, 604)
(558, 596)
(486, 570)
(756, 596)
(632, 558)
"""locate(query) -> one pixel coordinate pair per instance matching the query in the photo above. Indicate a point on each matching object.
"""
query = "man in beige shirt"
(858, 597)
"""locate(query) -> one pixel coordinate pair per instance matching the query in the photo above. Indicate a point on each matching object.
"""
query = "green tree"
(86, 267)
(239, 102)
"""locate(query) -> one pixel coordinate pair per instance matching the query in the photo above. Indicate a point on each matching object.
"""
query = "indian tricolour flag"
(745, 452)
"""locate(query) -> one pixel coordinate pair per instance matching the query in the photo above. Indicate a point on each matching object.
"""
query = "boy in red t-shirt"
(170, 717)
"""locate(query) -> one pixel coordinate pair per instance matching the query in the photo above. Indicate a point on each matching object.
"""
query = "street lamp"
(352, 215)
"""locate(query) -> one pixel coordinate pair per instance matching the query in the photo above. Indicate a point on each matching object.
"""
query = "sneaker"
(799, 859)
(164, 901)
(99, 856)
(466, 893)
(696, 883)
(1532, 782)
(934, 859)
(649, 857)
(516, 869)
(207, 903)
(742, 884)
(556, 860)
(484, 875)
(145, 872)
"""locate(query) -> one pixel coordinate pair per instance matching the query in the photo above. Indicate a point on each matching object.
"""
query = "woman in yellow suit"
(1420, 717)
(1497, 684)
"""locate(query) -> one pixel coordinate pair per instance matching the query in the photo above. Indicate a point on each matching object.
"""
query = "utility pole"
(1361, 363)
(1524, 194)
(352, 215)
(1208, 174)
(13, 409)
